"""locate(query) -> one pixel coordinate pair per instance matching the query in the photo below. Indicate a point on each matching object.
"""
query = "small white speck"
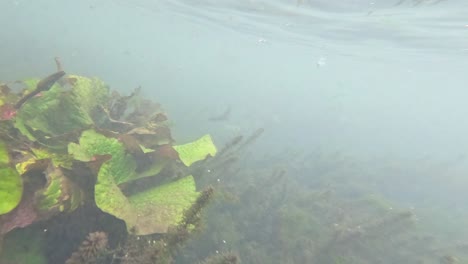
(217, 252)
(224, 241)
(391, 208)
(45, 230)
(208, 170)
(218, 180)
(138, 238)
(322, 61)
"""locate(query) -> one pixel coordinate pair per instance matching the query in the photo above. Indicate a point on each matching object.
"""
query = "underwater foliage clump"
(84, 163)
(271, 214)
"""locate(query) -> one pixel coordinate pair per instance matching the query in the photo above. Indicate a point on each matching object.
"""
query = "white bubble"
(322, 61)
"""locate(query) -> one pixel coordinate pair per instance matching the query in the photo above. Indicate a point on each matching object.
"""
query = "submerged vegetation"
(269, 215)
(92, 176)
(87, 175)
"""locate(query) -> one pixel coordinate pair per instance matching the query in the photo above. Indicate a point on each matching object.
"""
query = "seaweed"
(312, 208)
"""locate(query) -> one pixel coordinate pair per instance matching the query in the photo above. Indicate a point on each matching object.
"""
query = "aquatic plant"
(224, 258)
(149, 249)
(272, 214)
(90, 250)
(68, 142)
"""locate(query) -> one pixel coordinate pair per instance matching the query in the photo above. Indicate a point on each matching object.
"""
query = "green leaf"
(150, 211)
(120, 168)
(110, 198)
(197, 150)
(154, 169)
(4, 157)
(60, 193)
(89, 92)
(58, 159)
(11, 189)
(163, 206)
(24, 166)
(52, 192)
(11, 185)
(31, 83)
(53, 113)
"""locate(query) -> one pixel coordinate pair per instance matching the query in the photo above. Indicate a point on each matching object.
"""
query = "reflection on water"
(358, 24)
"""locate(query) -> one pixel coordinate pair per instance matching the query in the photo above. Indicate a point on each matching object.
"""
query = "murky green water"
(362, 104)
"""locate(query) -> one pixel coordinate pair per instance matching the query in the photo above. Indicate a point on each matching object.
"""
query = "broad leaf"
(197, 150)
(120, 168)
(88, 92)
(163, 206)
(4, 157)
(11, 189)
(11, 186)
(53, 113)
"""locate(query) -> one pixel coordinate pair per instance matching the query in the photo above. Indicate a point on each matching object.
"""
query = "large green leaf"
(110, 198)
(156, 167)
(120, 168)
(4, 157)
(11, 185)
(89, 92)
(53, 113)
(163, 206)
(197, 150)
(147, 212)
(11, 189)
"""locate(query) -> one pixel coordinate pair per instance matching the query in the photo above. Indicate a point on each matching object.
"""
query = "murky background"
(376, 85)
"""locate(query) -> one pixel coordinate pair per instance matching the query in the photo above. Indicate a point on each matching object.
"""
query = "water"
(380, 83)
